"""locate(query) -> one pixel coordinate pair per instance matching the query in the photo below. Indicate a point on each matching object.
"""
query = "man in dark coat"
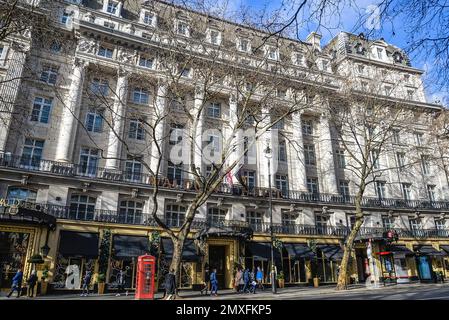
(17, 283)
(246, 279)
(170, 285)
(32, 280)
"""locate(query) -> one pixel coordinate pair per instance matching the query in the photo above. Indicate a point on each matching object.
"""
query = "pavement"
(415, 291)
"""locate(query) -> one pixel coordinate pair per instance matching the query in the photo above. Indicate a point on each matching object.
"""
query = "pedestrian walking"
(206, 281)
(252, 282)
(170, 285)
(86, 284)
(259, 278)
(246, 283)
(16, 283)
(214, 282)
(121, 280)
(32, 280)
(238, 279)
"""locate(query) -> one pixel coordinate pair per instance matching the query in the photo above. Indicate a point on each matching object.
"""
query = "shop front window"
(13, 252)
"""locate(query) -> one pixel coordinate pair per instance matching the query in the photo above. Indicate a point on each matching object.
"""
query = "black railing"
(110, 216)
(148, 180)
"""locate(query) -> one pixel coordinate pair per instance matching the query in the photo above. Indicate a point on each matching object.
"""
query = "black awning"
(400, 249)
(427, 250)
(78, 244)
(331, 251)
(299, 250)
(129, 246)
(445, 250)
(189, 252)
(261, 251)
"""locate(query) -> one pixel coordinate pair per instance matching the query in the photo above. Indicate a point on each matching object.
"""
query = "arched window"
(21, 194)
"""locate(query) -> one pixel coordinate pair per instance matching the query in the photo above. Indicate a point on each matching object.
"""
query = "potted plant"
(44, 283)
(281, 279)
(101, 279)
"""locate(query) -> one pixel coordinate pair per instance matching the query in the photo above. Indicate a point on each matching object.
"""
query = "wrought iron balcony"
(148, 181)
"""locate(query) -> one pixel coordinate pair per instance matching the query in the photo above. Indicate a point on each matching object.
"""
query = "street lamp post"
(268, 155)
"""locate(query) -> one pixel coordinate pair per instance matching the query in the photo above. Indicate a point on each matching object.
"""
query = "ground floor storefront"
(74, 248)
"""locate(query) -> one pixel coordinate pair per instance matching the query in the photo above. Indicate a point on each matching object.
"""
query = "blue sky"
(352, 19)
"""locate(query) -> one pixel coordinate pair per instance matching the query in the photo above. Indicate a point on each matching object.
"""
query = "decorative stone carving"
(126, 56)
(179, 198)
(134, 193)
(87, 45)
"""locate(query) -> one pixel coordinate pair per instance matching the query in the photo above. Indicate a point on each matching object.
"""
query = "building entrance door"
(424, 268)
(217, 259)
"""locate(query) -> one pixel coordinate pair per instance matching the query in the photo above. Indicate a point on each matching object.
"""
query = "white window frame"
(240, 42)
(95, 114)
(139, 132)
(141, 96)
(133, 169)
(272, 53)
(144, 62)
(186, 28)
(209, 36)
(108, 4)
(214, 110)
(143, 18)
(92, 155)
(106, 50)
(43, 104)
(49, 74)
(32, 158)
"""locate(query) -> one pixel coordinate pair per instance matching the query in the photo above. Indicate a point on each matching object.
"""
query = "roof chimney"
(315, 40)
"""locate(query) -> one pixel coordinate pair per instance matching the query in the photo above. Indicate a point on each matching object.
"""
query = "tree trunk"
(342, 282)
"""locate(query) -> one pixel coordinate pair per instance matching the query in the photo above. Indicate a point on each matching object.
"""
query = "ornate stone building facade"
(61, 156)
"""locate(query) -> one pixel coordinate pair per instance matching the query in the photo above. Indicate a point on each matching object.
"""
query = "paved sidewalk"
(285, 293)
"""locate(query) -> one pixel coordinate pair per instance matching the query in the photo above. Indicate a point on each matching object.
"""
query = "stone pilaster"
(117, 122)
(9, 89)
(327, 163)
(70, 114)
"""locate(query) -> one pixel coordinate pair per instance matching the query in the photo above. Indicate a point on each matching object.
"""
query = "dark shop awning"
(331, 251)
(189, 252)
(129, 246)
(299, 250)
(78, 244)
(427, 250)
(445, 250)
(400, 249)
(261, 251)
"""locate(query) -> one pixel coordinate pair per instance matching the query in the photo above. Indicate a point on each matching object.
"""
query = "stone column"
(160, 109)
(198, 139)
(327, 163)
(9, 89)
(117, 122)
(268, 137)
(296, 165)
(234, 137)
(70, 114)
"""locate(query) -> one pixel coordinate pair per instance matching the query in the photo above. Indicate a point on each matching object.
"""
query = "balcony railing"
(148, 180)
(110, 216)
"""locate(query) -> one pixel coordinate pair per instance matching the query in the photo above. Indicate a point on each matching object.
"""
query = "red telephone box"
(146, 266)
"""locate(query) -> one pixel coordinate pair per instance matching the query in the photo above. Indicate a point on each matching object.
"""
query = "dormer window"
(272, 53)
(112, 7)
(244, 45)
(324, 65)
(148, 18)
(298, 59)
(182, 28)
(379, 53)
(215, 37)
